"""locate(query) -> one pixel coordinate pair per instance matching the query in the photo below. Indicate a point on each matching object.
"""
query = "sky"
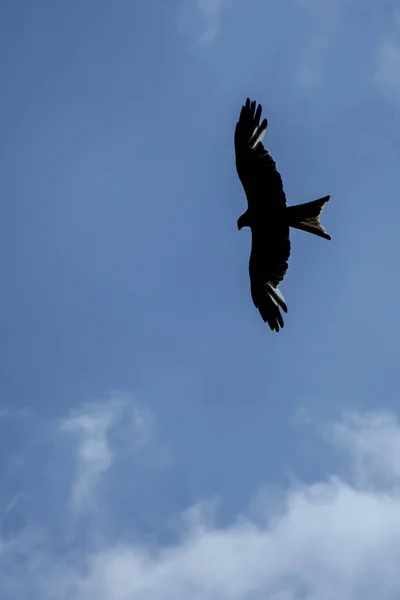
(157, 440)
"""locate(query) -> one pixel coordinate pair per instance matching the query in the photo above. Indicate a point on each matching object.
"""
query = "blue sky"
(157, 440)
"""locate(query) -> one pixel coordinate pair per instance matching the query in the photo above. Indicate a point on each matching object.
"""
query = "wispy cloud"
(331, 539)
(211, 12)
(325, 17)
(143, 424)
(387, 74)
(202, 19)
(6, 412)
(94, 454)
(372, 440)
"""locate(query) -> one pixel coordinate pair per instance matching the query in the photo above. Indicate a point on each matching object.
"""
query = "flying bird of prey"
(268, 215)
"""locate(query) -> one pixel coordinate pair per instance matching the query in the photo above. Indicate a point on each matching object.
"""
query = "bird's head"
(243, 220)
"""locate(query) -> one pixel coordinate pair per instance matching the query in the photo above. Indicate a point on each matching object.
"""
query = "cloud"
(325, 18)
(387, 74)
(201, 19)
(6, 412)
(324, 541)
(373, 443)
(91, 427)
(211, 10)
(143, 424)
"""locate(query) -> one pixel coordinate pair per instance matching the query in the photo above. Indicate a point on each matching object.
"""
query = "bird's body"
(268, 215)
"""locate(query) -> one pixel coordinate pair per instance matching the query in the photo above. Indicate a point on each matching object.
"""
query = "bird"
(268, 215)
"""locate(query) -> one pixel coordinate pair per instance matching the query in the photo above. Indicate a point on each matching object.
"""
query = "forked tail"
(306, 217)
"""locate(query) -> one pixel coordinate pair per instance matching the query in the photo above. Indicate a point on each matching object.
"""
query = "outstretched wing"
(269, 225)
(269, 302)
(268, 265)
(255, 166)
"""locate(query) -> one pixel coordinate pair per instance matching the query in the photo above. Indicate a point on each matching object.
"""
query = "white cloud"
(202, 17)
(92, 426)
(143, 423)
(325, 18)
(373, 443)
(331, 540)
(211, 10)
(6, 412)
(387, 74)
